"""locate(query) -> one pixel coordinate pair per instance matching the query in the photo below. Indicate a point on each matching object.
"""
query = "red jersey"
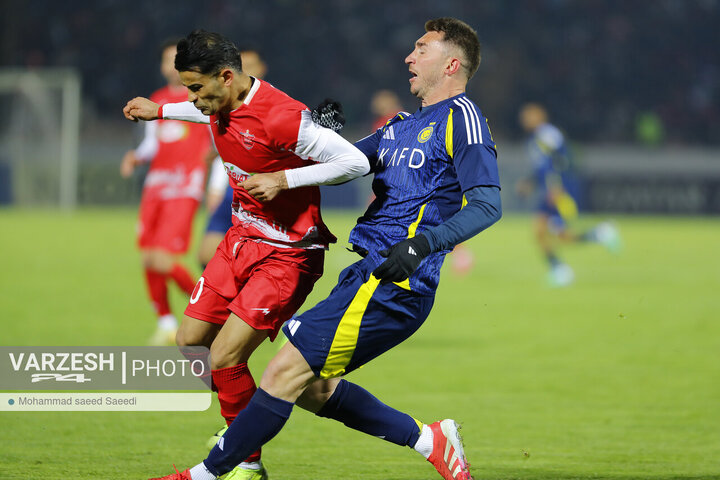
(262, 136)
(176, 151)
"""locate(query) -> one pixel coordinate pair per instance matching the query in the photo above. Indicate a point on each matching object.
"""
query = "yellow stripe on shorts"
(346, 335)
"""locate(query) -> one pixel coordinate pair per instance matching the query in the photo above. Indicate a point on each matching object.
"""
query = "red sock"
(235, 386)
(183, 278)
(157, 288)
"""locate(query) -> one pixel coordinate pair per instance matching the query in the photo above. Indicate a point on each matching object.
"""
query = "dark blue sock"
(360, 410)
(254, 426)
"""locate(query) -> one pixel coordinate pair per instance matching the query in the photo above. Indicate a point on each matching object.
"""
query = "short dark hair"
(206, 53)
(462, 35)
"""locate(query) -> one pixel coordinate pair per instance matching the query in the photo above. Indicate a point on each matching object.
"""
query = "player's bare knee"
(160, 261)
(287, 375)
(317, 394)
(183, 339)
(224, 354)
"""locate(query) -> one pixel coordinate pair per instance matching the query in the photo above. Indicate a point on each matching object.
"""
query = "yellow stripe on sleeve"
(449, 134)
(346, 335)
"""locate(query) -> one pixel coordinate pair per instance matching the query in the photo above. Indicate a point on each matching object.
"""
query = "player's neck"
(442, 93)
(244, 85)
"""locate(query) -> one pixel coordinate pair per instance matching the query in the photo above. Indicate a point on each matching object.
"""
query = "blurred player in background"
(556, 187)
(384, 104)
(219, 193)
(436, 185)
(269, 260)
(171, 194)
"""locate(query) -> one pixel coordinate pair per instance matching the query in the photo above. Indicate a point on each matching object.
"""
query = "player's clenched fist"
(140, 108)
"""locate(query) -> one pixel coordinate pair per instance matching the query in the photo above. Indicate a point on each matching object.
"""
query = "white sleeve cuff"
(184, 111)
(339, 160)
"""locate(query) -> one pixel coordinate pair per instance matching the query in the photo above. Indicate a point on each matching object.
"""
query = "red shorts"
(262, 284)
(166, 224)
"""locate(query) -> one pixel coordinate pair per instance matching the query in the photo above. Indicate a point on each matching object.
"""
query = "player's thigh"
(196, 332)
(235, 342)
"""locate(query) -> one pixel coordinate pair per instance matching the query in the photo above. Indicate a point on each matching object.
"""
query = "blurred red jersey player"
(171, 195)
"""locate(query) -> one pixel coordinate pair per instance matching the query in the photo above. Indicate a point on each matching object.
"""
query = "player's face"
(167, 66)
(427, 63)
(209, 93)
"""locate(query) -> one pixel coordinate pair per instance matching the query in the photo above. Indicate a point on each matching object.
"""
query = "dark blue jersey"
(423, 163)
(550, 158)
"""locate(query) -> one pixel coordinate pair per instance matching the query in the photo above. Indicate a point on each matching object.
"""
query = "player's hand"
(265, 186)
(329, 114)
(127, 166)
(403, 259)
(140, 108)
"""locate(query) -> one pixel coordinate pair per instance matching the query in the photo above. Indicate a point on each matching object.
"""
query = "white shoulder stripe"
(473, 127)
(473, 123)
(467, 123)
(473, 111)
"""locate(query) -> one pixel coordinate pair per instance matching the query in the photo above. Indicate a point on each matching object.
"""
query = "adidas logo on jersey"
(389, 133)
(293, 325)
(411, 251)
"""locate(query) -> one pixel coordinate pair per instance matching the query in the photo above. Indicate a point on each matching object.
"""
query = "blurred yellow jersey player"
(556, 189)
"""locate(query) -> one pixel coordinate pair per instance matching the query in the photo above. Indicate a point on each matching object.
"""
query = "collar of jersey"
(424, 111)
(250, 95)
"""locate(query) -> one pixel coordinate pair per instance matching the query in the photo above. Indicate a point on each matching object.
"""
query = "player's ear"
(453, 66)
(227, 76)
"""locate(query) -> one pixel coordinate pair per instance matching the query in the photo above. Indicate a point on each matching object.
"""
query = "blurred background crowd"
(608, 70)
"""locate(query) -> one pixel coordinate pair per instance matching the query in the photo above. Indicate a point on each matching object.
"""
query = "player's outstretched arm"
(141, 108)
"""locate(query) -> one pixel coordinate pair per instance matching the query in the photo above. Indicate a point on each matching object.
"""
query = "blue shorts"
(556, 220)
(358, 321)
(221, 219)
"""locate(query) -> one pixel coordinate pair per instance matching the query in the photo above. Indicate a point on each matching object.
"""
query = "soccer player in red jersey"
(266, 265)
(171, 194)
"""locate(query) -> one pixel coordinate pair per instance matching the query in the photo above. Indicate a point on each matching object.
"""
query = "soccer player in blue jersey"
(556, 187)
(436, 183)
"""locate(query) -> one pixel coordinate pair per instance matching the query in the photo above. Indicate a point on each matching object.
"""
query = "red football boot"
(448, 455)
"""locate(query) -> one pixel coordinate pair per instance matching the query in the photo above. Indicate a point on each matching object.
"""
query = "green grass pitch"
(616, 377)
